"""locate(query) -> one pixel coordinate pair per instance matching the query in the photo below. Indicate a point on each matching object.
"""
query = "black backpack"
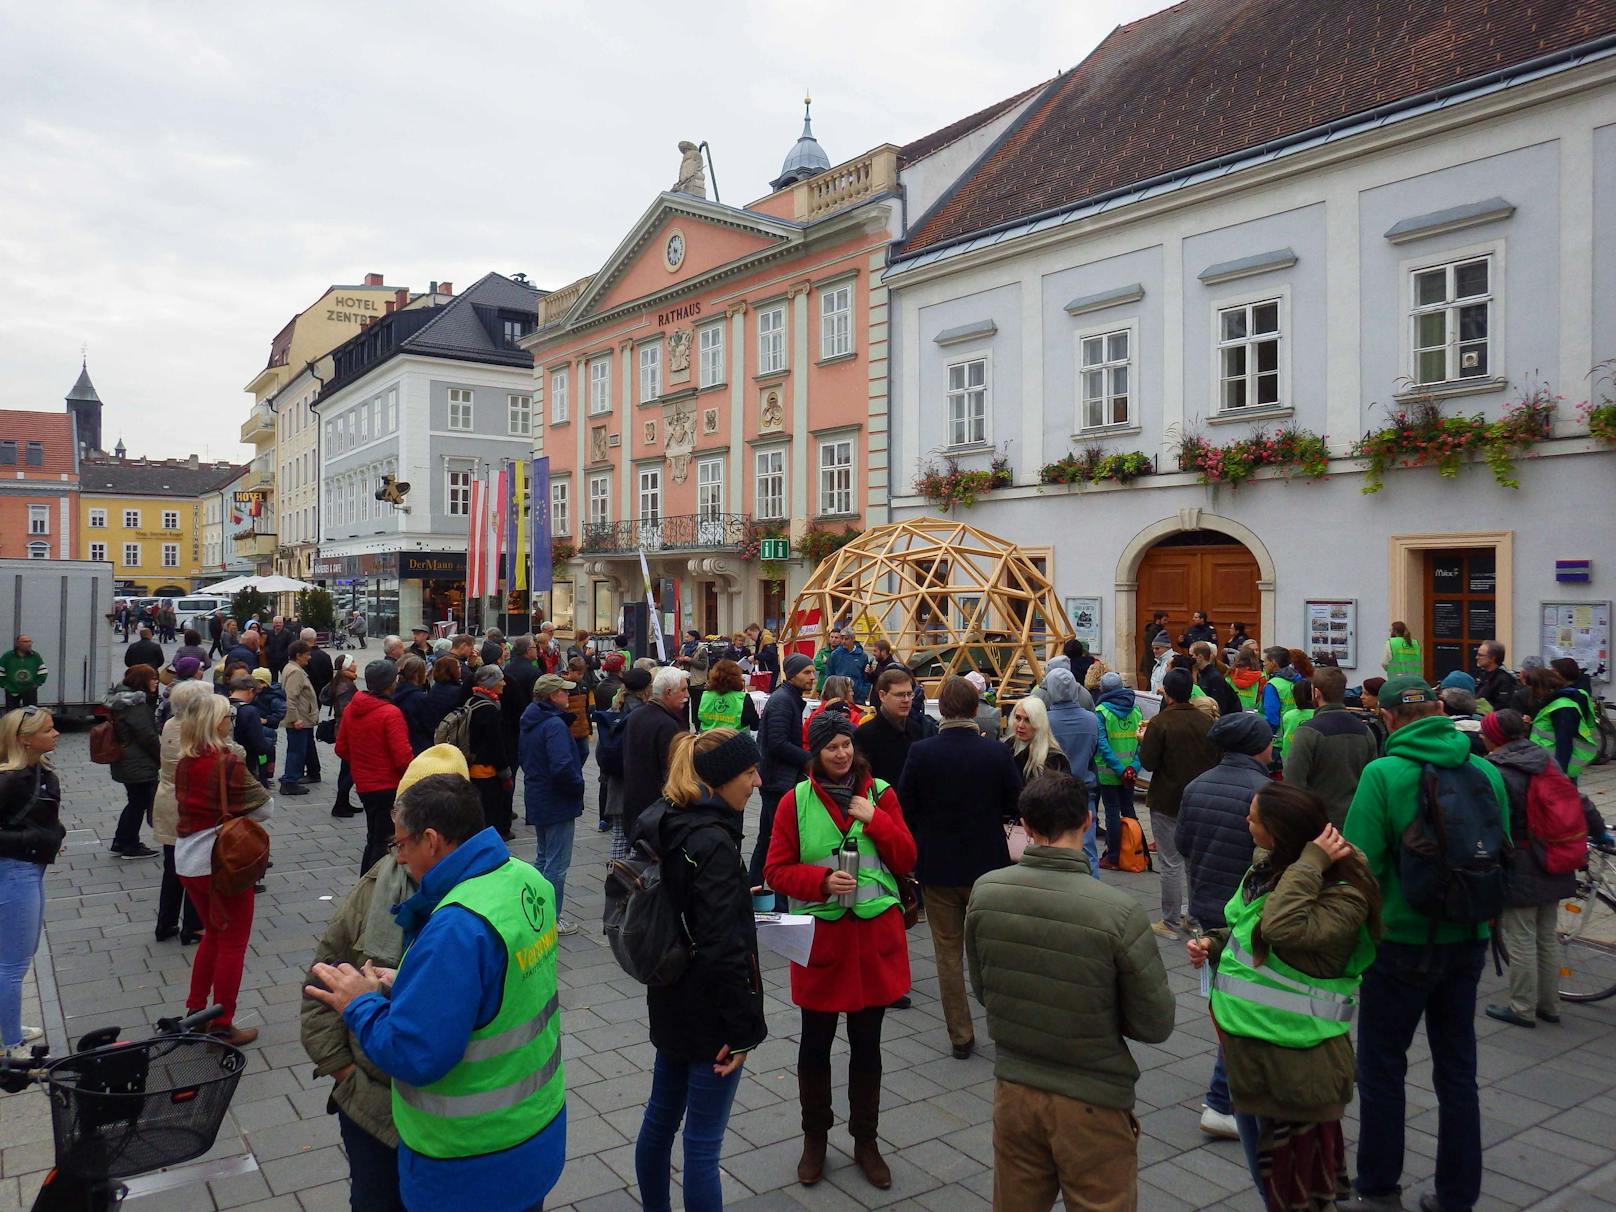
(609, 740)
(1454, 852)
(644, 925)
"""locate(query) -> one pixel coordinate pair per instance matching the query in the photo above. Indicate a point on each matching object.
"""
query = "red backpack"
(1555, 821)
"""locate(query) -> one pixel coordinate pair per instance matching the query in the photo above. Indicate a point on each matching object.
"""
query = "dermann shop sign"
(409, 565)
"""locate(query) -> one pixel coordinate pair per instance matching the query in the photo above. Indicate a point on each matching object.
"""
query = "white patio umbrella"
(267, 584)
(233, 585)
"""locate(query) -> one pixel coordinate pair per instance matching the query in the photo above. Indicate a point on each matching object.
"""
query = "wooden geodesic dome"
(946, 595)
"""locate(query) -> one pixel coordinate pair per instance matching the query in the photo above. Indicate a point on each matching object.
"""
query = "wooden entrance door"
(1217, 578)
(709, 608)
(1461, 607)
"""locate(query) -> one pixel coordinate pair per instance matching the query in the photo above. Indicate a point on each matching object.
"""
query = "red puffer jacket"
(855, 963)
(375, 741)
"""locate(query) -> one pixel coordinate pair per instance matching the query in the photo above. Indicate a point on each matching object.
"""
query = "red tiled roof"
(939, 139)
(1210, 77)
(54, 429)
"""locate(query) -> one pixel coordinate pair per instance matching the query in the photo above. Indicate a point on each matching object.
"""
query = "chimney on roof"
(446, 287)
(391, 304)
(401, 298)
(192, 463)
(433, 289)
(373, 279)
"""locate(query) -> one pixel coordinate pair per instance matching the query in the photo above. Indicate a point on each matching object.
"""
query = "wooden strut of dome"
(947, 596)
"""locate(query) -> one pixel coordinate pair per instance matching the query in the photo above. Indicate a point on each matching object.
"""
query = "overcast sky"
(178, 179)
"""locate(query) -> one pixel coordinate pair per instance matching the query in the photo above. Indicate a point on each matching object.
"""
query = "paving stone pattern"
(1548, 1096)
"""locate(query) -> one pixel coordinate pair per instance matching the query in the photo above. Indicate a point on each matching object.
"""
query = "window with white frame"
(1248, 356)
(710, 355)
(1452, 321)
(769, 494)
(600, 386)
(364, 419)
(650, 372)
(836, 476)
(171, 555)
(709, 489)
(650, 480)
(131, 555)
(98, 551)
(131, 519)
(39, 519)
(519, 413)
(560, 507)
(98, 519)
(392, 409)
(968, 402)
(1105, 379)
(600, 500)
(771, 330)
(39, 551)
(836, 321)
(558, 396)
(460, 408)
(171, 519)
(459, 492)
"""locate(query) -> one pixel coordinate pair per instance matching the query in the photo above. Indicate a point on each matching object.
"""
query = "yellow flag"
(519, 494)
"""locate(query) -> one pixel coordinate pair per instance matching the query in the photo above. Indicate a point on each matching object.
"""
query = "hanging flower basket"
(1294, 450)
(950, 485)
(1092, 465)
(1420, 435)
(560, 552)
(819, 542)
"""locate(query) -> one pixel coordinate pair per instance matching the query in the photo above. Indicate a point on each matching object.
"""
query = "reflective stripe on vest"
(1406, 661)
(1583, 746)
(508, 1084)
(817, 835)
(1122, 734)
(721, 710)
(1273, 1001)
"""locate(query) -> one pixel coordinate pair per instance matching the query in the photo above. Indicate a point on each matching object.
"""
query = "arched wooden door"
(1200, 570)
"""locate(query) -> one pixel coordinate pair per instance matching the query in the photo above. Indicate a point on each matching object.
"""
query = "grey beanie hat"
(1112, 680)
(488, 675)
(1241, 732)
(795, 664)
(380, 676)
(825, 728)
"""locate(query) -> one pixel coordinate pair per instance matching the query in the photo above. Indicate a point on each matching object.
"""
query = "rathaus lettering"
(685, 312)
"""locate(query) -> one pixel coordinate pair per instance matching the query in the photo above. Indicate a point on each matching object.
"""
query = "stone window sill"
(1245, 416)
(846, 357)
(1454, 387)
(1106, 431)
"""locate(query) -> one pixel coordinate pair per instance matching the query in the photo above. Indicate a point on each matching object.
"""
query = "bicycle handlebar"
(191, 1022)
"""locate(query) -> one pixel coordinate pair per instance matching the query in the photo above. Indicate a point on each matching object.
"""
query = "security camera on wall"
(393, 491)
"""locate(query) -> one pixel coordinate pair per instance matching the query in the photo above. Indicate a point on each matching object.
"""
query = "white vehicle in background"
(62, 605)
(194, 611)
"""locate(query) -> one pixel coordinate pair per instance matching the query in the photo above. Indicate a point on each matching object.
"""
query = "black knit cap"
(730, 760)
(825, 728)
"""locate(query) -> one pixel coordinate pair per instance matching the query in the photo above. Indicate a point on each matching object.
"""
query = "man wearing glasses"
(884, 739)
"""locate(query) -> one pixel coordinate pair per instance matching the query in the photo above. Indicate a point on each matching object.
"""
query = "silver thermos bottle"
(847, 861)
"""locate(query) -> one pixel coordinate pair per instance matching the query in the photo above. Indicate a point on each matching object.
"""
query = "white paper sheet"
(787, 934)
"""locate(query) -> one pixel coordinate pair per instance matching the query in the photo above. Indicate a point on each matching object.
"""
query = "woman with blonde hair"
(704, 1024)
(1091, 679)
(1032, 744)
(31, 836)
(171, 898)
(212, 783)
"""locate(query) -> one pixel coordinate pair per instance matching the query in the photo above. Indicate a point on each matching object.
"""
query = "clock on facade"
(673, 252)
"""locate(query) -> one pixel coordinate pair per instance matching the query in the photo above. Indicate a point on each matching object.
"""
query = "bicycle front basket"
(133, 1107)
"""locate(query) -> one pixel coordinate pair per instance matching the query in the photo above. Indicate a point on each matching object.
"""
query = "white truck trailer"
(62, 606)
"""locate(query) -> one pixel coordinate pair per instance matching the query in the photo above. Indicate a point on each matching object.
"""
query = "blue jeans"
(555, 855)
(372, 1170)
(298, 743)
(1250, 1133)
(1398, 990)
(1091, 846)
(22, 909)
(694, 1093)
(1118, 803)
(1217, 1094)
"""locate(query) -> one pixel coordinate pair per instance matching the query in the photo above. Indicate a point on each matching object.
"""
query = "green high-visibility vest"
(1583, 744)
(509, 1085)
(1251, 696)
(1122, 734)
(721, 710)
(1288, 723)
(1405, 658)
(819, 840)
(1275, 1002)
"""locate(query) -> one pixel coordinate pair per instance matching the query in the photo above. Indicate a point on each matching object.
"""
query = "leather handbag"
(326, 730)
(240, 845)
(909, 898)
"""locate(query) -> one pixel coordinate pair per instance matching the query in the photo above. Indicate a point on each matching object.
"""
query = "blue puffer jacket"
(1212, 834)
(552, 766)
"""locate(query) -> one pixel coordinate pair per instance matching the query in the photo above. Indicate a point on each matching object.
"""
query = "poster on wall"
(1085, 616)
(1579, 630)
(1331, 627)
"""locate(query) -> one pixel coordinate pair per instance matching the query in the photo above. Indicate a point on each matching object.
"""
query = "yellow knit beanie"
(440, 759)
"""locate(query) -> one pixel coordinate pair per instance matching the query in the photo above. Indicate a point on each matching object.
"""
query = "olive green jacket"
(1314, 928)
(362, 929)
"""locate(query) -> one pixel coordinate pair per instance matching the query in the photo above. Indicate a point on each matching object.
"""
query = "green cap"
(549, 684)
(1405, 689)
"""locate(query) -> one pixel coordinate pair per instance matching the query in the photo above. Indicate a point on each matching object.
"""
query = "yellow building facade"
(146, 517)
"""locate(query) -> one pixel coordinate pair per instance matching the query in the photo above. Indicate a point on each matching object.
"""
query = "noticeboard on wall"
(1084, 614)
(1579, 630)
(1331, 627)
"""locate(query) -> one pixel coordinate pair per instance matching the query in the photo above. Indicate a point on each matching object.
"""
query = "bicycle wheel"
(1605, 739)
(1587, 932)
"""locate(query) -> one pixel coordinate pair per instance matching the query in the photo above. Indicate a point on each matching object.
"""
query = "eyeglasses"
(394, 845)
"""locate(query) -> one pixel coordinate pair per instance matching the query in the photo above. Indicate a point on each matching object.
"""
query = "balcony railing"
(260, 420)
(558, 302)
(688, 532)
(847, 184)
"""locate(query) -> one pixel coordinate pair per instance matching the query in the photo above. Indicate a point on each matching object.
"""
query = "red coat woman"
(858, 965)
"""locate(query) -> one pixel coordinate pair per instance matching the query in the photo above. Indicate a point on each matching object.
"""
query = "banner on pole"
(520, 506)
(539, 481)
(500, 507)
(650, 601)
(476, 540)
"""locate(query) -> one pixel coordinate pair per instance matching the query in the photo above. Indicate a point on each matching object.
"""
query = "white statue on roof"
(692, 176)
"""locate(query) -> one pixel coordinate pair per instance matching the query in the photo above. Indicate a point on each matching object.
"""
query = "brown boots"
(813, 1091)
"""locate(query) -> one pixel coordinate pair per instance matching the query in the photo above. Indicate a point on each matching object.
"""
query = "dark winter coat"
(1212, 833)
(144, 652)
(552, 767)
(780, 739)
(957, 791)
(134, 721)
(1175, 750)
(275, 645)
(518, 693)
(1498, 686)
(886, 747)
(1076, 728)
(412, 701)
(1054, 762)
(1198, 632)
(1529, 884)
(245, 655)
(646, 737)
(1216, 687)
(718, 1002)
(271, 703)
(31, 829)
(1327, 756)
(319, 669)
(492, 752)
(441, 699)
(256, 741)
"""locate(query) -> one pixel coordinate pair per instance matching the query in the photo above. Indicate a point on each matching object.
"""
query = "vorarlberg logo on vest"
(533, 909)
